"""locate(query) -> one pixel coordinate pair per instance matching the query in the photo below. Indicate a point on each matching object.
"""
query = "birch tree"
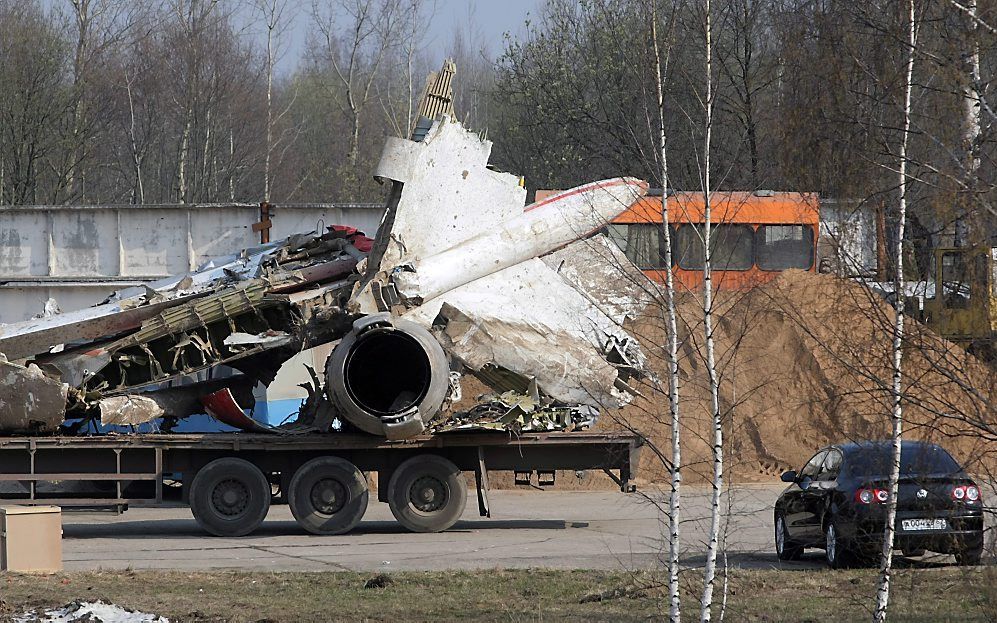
(272, 12)
(99, 27)
(357, 35)
(971, 121)
(709, 573)
(416, 16)
(671, 325)
(886, 565)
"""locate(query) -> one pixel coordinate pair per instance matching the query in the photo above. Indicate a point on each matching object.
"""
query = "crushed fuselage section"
(464, 279)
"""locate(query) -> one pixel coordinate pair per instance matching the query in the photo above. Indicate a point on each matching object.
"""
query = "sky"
(488, 19)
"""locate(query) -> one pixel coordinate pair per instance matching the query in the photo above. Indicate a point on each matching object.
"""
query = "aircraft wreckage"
(462, 278)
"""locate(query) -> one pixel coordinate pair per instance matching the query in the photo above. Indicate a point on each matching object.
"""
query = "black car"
(838, 501)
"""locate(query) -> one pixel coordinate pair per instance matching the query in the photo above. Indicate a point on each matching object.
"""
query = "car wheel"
(969, 557)
(835, 549)
(785, 548)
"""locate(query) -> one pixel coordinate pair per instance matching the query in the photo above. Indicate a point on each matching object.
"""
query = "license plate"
(923, 524)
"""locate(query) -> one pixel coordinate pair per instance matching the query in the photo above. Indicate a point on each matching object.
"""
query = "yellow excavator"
(964, 308)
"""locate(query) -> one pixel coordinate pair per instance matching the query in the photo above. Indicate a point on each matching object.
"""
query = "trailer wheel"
(328, 495)
(230, 497)
(427, 493)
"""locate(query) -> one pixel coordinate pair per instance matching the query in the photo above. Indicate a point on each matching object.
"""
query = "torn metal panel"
(266, 339)
(285, 266)
(177, 401)
(603, 274)
(33, 337)
(446, 184)
(177, 342)
(528, 320)
(545, 226)
(127, 309)
(30, 401)
(520, 413)
(479, 225)
(222, 406)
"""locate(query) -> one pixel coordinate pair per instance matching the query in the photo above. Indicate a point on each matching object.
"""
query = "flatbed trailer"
(229, 480)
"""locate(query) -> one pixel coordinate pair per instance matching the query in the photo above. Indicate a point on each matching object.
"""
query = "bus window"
(641, 242)
(956, 281)
(730, 246)
(781, 247)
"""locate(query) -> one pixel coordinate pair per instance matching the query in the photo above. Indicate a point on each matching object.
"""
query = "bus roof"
(728, 207)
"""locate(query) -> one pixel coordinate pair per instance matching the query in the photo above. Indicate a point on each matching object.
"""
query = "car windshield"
(914, 461)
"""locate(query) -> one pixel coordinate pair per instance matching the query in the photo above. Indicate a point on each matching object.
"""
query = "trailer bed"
(120, 470)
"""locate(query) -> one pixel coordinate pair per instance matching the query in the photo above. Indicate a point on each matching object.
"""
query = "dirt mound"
(805, 361)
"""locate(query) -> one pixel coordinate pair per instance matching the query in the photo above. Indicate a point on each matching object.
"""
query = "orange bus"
(754, 236)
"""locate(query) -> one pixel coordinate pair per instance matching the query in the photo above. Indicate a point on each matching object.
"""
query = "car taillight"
(968, 493)
(870, 496)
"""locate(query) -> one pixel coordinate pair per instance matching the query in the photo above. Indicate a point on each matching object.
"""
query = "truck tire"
(230, 497)
(328, 495)
(427, 493)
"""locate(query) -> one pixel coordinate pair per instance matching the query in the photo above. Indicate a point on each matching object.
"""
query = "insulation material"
(129, 410)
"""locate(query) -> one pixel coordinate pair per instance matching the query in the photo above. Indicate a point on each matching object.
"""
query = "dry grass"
(946, 594)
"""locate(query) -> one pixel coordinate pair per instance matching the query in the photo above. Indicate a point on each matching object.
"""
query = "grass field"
(923, 595)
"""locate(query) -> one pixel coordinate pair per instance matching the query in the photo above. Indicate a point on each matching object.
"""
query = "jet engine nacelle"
(388, 376)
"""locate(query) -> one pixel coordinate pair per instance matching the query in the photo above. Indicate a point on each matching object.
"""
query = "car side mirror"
(789, 476)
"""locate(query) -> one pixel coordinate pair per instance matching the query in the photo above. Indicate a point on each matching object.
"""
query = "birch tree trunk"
(270, 14)
(231, 160)
(674, 499)
(886, 566)
(182, 165)
(971, 125)
(75, 154)
(709, 574)
(138, 189)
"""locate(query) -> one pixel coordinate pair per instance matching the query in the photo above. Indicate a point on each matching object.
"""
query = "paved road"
(602, 530)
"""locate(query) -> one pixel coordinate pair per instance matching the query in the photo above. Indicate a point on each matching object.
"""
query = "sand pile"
(803, 362)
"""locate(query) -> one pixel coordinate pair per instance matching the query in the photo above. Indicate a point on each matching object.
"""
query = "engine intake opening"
(387, 372)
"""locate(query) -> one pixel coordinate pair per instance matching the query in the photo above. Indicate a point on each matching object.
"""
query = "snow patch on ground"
(89, 612)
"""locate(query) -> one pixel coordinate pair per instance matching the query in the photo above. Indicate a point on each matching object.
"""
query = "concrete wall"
(78, 255)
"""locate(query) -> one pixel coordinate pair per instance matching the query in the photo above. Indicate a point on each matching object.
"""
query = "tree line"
(164, 101)
(808, 98)
(115, 101)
